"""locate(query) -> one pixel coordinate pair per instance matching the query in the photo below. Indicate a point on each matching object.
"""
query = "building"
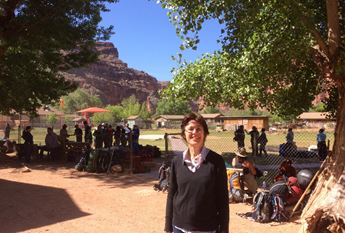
(316, 120)
(137, 120)
(169, 121)
(213, 119)
(232, 122)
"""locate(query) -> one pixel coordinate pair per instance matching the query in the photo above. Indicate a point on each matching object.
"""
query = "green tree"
(52, 119)
(144, 114)
(40, 38)
(172, 106)
(115, 115)
(80, 99)
(131, 106)
(275, 54)
(210, 109)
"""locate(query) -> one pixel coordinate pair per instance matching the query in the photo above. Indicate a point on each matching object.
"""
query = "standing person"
(198, 199)
(117, 136)
(321, 144)
(98, 134)
(254, 135)
(290, 136)
(7, 131)
(263, 141)
(78, 133)
(135, 138)
(28, 143)
(64, 134)
(88, 133)
(52, 143)
(240, 136)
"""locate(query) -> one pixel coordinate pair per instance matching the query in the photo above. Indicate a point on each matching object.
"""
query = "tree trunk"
(325, 210)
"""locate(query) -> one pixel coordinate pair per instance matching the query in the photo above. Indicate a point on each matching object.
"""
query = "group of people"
(103, 136)
(258, 140)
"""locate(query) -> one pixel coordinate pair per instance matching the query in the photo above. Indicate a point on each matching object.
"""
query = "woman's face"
(194, 134)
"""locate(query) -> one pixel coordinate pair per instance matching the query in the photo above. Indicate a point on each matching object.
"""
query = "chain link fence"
(303, 152)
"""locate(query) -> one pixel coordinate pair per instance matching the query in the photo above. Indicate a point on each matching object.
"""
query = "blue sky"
(146, 39)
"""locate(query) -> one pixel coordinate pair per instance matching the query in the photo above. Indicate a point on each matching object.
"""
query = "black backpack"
(262, 207)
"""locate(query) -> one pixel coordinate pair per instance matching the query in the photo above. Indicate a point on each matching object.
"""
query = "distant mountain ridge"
(111, 79)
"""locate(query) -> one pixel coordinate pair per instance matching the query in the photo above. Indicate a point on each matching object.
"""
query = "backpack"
(295, 191)
(262, 207)
(280, 188)
(236, 192)
(81, 165)
(279, 212)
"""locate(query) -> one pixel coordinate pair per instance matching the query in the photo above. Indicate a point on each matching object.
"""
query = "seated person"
(52, 143)
(250, 172)
(286, 170)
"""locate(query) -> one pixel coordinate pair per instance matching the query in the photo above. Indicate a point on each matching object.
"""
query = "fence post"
(130, 141)
(166, 143)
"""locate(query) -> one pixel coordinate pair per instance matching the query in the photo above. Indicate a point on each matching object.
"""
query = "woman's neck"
(194, 151)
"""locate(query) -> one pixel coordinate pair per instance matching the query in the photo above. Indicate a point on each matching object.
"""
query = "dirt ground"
(57, 198)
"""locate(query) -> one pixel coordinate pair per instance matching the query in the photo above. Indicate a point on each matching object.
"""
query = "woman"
(198, 194)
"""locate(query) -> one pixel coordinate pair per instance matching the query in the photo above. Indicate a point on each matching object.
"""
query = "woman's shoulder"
(214, 156)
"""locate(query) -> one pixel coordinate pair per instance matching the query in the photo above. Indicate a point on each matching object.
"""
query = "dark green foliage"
(275, 54)
(39, 38)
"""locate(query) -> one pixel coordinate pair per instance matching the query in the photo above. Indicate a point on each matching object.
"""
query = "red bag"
(295, 191)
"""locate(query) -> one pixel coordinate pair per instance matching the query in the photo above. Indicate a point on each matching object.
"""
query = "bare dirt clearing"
(56, 198)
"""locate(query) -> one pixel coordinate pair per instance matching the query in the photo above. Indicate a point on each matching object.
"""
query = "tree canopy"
(172, 106)
(40, 38)
(80, 99)
(275, 54)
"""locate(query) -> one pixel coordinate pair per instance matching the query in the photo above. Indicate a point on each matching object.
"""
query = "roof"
(313, 116)
(49, 110)
(243, 117)
(93, 110)
(212, 116)
(133, 117)
(171, 117)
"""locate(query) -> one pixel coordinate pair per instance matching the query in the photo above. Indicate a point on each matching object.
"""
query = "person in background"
(110, 133)
(117, 135)
(290, 136)
(135, 138)
(7, 131)
(198, 198)
(254, 135)
(250, 172)
(262, 140)
(52, 143)
(321, 144)
(64, 134)
(98, 134)
(87, 133)
(240, 136)
(28, 143)
(78, 133)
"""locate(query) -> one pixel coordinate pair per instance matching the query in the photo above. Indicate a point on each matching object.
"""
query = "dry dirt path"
(53, 198)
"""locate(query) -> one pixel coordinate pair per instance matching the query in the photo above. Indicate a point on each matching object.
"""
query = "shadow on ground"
(27, 206)
(67, 170)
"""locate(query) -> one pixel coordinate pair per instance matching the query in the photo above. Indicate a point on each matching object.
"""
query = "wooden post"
(166, 143)
(130, 141)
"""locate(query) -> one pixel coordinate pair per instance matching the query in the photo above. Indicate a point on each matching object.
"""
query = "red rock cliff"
(111, 79)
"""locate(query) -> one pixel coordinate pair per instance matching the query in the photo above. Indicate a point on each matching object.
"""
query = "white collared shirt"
(195, 164)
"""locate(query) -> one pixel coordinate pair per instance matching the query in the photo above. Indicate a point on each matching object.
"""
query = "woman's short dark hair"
(196, 117)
